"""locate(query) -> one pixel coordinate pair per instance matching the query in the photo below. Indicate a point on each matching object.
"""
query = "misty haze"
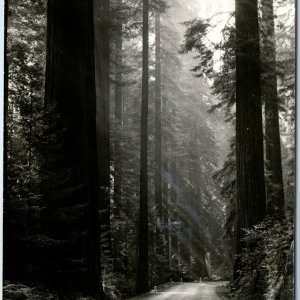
(149, 149)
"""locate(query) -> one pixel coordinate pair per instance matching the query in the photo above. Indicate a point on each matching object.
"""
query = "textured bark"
(6, 217)
(143, 234)
(274, 183)
(70, 86)
(102, 57)
(118, 143)
(118, 112)
(158, 157)
(5, 99)
(251, 203)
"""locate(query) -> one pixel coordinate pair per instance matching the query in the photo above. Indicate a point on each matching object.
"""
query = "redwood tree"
(6, 217)
(118, 113)
(158, 155)
(274, 183)
(102, 59)
(251, 203)
(118, 110)
(70, 90)
(143, 230)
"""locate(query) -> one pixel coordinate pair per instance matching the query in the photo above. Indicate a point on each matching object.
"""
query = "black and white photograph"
(149, 149)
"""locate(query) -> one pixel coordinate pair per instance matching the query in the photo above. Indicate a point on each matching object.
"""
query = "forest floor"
(190, 291)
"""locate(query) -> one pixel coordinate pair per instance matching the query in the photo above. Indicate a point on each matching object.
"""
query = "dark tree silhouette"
(274, 182)
(251, 203)
(142, 271)
(118, 110)
(6, 217)
(118, 114)
(102, 62)
(70, 89)
(158, 155)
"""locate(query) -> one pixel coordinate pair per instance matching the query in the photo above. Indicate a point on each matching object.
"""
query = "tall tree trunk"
(158, 158)
(5, 98)
(70, 86)
(6, 217)
(118, 142)
(175, 217)
(174, 214)
(166, 218)
(185, 251)
(274, 183)
(251, 202)
(102, 58)
(143, 234)
(118, 111)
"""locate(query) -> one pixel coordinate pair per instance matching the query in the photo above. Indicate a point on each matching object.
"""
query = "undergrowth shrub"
(265, 268)
(23, 292)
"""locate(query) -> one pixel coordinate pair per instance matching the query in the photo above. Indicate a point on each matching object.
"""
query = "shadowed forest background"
(147, 143)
